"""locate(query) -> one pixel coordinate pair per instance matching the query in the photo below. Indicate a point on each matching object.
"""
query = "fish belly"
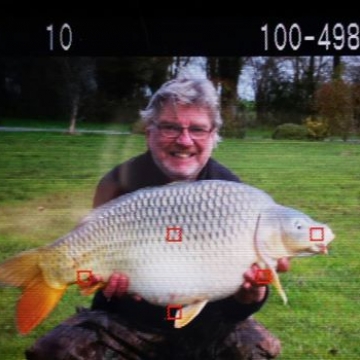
(185, 275)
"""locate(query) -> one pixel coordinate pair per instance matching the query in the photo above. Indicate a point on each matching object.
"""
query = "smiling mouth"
(181, 155)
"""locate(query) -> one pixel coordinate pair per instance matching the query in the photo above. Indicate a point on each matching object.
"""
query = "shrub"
(290, 131)
(318, 128)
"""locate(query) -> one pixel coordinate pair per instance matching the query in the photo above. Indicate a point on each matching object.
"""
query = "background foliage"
(113, 89)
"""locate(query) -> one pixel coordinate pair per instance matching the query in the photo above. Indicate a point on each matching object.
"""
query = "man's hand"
(250, 291)
(117, 285)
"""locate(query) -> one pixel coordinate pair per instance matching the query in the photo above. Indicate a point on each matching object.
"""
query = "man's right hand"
(116, 286)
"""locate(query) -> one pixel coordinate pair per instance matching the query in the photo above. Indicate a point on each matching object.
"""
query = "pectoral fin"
(185, 315)
(277, 284)
(268, 248)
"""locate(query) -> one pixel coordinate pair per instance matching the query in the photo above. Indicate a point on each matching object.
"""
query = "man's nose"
(184, 138)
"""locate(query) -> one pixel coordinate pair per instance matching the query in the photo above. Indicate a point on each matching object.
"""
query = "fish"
(184, 243)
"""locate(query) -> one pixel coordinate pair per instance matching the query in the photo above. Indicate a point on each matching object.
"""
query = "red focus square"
(317, 233)
(83, 277)
(174, 234)
(170, 310)
(263, 276)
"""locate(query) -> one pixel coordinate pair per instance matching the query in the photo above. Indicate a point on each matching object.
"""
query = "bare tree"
(225, 73)
(351, 74)
(284, 86)
(79, 80)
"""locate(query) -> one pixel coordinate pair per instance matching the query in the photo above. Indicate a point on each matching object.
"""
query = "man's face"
(181, 157)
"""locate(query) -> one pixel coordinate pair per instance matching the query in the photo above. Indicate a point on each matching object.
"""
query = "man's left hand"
(250, 291)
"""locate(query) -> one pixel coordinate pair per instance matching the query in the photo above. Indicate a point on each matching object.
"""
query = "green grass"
(265, 132)
(62, 124)
(47, 182)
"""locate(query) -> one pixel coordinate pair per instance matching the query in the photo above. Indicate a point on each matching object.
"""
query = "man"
(182, 122)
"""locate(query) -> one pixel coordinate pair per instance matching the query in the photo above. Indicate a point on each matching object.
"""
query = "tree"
(337, 67)
(101, 89)
(78, 81)
(32, 87)
(333, 101)
(124, 84)
(10, 90)
(225, 72)
(351, 73)
(284, 87)
(45, 87)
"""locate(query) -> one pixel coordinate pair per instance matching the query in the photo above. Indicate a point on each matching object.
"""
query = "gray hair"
(184, 91)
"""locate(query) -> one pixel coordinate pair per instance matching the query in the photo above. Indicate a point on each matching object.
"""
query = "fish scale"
(225, 228)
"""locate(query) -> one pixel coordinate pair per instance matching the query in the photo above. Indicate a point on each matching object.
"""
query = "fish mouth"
(321, 246)
(319, 249)
(323, 249)
(313, 250)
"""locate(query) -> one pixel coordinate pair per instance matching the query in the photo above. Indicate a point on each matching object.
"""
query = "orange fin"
(21, 269)
(35, 304)
(38, 298)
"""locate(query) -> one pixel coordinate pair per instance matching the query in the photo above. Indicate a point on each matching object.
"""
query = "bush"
(318, 128)
(290, 131)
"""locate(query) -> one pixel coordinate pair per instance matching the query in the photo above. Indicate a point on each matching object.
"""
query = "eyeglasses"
(173, 131)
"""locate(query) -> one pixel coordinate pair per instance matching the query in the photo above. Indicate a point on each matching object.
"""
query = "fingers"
(283, 265)
(94, 279)
(250, 276)
(250, 291)
(117, 285)
(253, 291)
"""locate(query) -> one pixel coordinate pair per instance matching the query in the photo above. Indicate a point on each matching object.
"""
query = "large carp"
(185, 243)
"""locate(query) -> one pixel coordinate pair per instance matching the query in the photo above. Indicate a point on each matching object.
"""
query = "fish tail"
(38, 298)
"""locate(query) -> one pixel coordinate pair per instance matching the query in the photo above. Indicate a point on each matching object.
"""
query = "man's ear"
(215, 138)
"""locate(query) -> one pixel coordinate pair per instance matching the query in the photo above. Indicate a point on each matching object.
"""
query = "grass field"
(47, 182)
